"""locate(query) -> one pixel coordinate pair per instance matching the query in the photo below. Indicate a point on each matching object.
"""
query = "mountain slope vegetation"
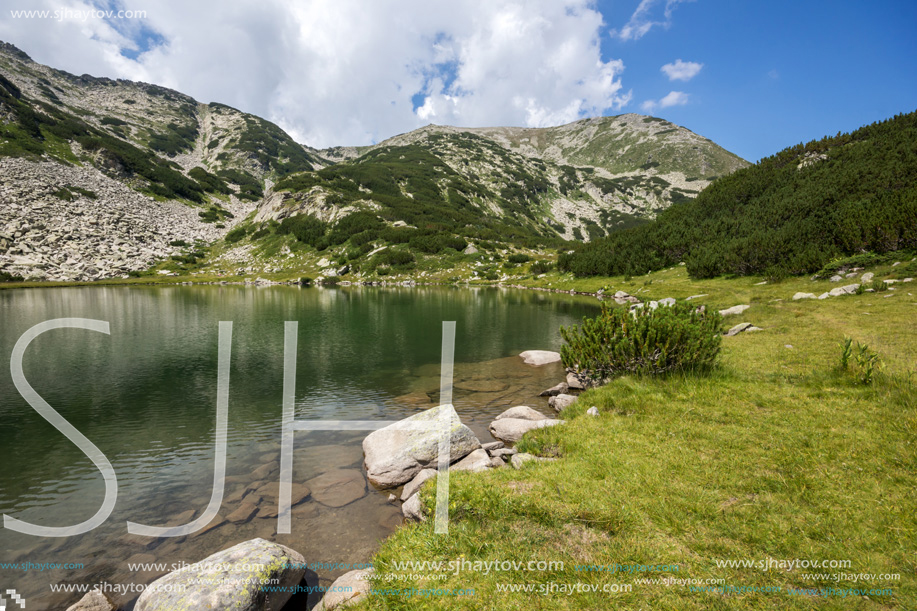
(791, 213)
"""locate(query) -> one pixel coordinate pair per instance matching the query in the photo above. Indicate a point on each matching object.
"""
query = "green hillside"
(791, 213)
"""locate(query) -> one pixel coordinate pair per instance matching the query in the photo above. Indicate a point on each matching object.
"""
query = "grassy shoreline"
(778, 456)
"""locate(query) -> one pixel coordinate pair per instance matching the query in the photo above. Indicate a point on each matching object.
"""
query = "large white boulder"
(230, 580)
(540, 357)
(398, 452)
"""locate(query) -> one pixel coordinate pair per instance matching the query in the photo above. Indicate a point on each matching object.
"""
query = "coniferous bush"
(644, 341)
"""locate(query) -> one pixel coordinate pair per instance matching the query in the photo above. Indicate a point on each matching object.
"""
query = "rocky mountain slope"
(102, 178)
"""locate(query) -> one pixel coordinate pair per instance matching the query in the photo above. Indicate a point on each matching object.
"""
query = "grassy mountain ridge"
(448, 186)
(791, 213)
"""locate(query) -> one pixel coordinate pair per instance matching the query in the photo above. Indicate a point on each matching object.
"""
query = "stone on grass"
(867, 277)
(512, 429)
(414, 485)
(734, 310)
(229, 580)
(836, 278)
(493, 445)
(848, 289)
(739, 328)
(396, 453)
(479, 460)
(799, 296)
(540, 357)
(346, 590)
(561, 402)
(593, 411)
(413, 509)
(824, 295)
(668, 301)
(519, 460)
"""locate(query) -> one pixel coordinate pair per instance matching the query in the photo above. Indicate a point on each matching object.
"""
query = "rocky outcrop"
(396, 453)
(229, 581)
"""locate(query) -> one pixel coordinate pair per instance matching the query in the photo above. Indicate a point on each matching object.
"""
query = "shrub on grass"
(646, 342)
(541, 267)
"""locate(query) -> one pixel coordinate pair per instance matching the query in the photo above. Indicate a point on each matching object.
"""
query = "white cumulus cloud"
(335, 72)
(681, 71)
(674, 98)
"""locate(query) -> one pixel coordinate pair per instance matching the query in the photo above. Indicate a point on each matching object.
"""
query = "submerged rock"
(540, 357)
(559, 389)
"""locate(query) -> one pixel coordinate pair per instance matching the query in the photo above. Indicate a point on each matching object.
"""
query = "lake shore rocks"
(398, 452)
(229, 580)
(349, 588)
(93, 601)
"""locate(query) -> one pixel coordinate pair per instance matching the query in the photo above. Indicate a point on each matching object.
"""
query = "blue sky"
(775, 73)
(755, 77)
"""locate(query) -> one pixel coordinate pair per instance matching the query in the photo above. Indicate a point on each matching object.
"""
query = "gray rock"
(739, 328)
(504, 453)
(836, 278)
(413, 509)
(867, 277)
(411, 488)
(496, 462)
(229, 580)
(695, 297)
(844, 290)
(799, 296)
(668, 301)
(561, 402)
(396, 453)
(558, 389)
(493, 445)
(470, 250)
(346, 590)
(574, 383)
(479, 460)
(512, 429)
(540, 357)
(94, 601)
(338, 487)
(734, 310)
(522, 412)
(519, 460)
(824, 295)
(593, 411)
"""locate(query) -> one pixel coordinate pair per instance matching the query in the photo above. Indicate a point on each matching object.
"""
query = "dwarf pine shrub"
(646, 342)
